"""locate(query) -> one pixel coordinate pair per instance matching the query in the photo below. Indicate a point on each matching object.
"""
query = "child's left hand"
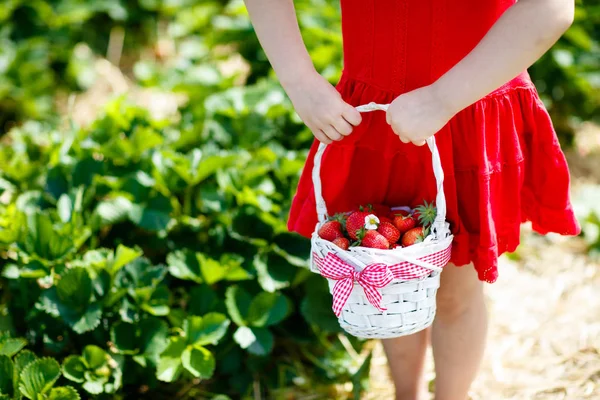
(418, 115)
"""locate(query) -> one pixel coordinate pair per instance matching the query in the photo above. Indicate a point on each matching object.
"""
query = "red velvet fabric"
(502, 161)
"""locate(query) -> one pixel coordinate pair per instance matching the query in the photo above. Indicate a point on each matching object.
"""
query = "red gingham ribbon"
(372, 277)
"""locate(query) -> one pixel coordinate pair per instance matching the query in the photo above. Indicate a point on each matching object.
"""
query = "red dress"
(502, 161)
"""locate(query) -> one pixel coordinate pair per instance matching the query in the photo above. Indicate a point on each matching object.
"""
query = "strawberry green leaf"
(183, 264)
(38, 377)
(23, 359)
(198, 361)
(12, 346)
(123, 336)
(6, 374)
(124, 255)
(258, 341)
(237, 301)
(206, 330)
(64, 393)
(268, 309)
(74, 289)
(94, 357)
(73, 368)
(169, 365)
(274, 271)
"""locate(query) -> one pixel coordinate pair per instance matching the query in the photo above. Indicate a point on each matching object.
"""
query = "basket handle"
(440, 227)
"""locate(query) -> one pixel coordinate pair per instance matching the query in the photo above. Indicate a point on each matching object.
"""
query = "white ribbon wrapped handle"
(439, 227)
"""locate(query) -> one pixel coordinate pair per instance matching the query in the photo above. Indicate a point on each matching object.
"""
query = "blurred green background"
(143, 240)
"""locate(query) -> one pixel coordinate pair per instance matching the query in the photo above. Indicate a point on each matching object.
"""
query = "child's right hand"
(321, 108)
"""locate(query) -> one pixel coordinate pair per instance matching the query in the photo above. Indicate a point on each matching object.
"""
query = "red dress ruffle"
(502, 161)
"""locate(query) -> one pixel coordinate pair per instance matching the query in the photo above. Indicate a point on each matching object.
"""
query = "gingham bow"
(371, 278)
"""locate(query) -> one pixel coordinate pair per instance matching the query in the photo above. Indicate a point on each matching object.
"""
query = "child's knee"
(460, 289)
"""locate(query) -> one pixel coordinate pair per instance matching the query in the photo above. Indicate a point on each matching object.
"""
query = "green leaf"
(202, 300)
(124, 255)
(123, 336)
(42, 239)
(211, 164)
(94, 357)
(64, 393)
(268, 309)
(237, 301)
(184, 264)
(316, 306)
(153, 338)
(65, 207)
(258, 341)
(113, 210)
(73, 368)
(169, 365)
(86, 322)
(206, 330)
(152, 216)
(74, 289)
(93, 387)
(244, 337)
(23, 359)
(38, 377)
(293, 244)
(212, 270)
(12, 346)
(274, 272)
(6, 375)
(198, 361)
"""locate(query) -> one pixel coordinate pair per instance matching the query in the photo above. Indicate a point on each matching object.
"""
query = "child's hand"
(418, 115)
(322, 109)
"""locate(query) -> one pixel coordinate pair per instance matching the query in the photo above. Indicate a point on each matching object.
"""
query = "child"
(456, 69)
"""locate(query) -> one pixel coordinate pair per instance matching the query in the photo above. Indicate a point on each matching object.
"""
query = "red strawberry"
(401, 212)
(385, 219)
(342, 242)
(413, 236)
(374, 240)
(389, 231)
(355, 222)
(331, 230)
(404, 224)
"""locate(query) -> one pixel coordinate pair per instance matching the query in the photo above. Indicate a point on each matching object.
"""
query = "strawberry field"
(147, 164)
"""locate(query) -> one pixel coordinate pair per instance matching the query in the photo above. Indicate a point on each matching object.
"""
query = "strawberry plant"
(148, 260)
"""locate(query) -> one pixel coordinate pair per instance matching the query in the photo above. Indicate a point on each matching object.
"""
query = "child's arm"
(317, 103)
(519, 37)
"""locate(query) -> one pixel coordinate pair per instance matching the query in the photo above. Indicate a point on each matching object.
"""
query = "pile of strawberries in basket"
(379, 227)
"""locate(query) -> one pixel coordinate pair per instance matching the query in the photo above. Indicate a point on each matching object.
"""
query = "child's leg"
(406, 358)
(458, 332)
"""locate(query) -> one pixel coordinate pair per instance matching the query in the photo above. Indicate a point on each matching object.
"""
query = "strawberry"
(355, 222)
(342, 242)
(385, 219)
(331, 230)
(413, 236)
(404, 224)
(425, 214)
(389, 231)
(374, 240)
(401, 212)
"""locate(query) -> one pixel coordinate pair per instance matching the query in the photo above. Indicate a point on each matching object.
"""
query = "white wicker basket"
(404, 281)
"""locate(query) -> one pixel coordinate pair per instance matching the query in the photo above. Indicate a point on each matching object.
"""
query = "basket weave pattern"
(383, 293)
